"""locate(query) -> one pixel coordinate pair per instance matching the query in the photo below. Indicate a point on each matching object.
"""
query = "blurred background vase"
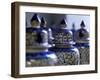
(82, 43)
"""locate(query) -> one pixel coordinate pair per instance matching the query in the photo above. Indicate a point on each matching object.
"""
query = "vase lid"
(35, 21)
(82, 24)
(36, 18)
(82, 34)
(43, 22)
(63, 24)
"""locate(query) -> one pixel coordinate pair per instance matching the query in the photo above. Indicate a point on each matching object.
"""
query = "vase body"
(43, 58)
(67, 56)
(84, 52)
(66, 53)
(37, 53)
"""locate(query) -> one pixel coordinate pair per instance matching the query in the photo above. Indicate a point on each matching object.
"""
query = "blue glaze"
(81, 44)
(63, 49)
(40, 55)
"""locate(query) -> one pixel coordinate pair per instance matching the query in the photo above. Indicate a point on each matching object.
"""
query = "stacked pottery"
(63, 39)
(37, 53)
(82, 43)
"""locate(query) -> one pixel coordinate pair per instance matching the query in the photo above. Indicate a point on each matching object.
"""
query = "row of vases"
(44, 50)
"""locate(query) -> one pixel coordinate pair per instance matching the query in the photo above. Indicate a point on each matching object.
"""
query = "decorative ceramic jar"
(37, 53)
(82, 43)
(63, 39)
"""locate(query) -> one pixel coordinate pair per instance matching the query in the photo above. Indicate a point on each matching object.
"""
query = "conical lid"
(82, 23)
(35, 18)
(82, 34)
(63, 22)
(43, 21)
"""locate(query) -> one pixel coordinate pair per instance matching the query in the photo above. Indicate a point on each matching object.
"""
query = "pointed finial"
(63, 22)
(43, 22)
(82, 24)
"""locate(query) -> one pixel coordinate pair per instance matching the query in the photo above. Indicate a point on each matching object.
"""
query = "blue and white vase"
(37, 53)
(82, 43)
(63, 39)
